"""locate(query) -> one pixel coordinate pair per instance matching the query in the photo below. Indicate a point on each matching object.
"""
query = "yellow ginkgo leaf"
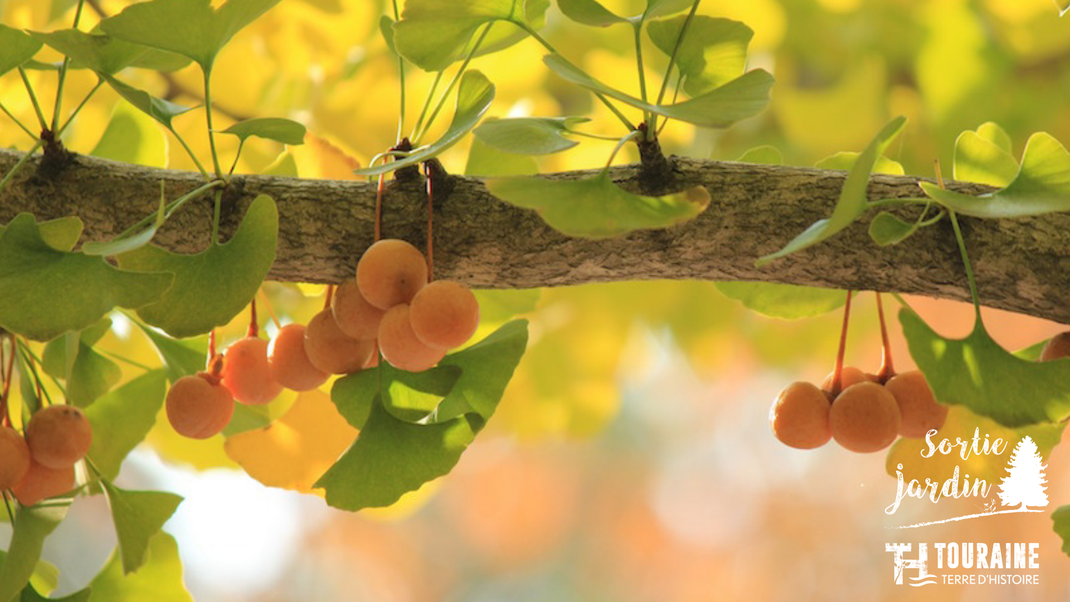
(294, 451)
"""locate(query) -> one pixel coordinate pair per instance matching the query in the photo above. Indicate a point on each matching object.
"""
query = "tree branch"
(1022, 264)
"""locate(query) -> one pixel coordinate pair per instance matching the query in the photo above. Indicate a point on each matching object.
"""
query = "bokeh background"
(631, 458)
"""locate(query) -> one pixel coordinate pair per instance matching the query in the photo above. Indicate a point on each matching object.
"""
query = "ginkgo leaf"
(596, 207)
(159, 579)
(138, 517)
(1041, 186)
(32, 525)
(295, 450)
(91, 374)
(474, 95)
(662, 8)
(16, 47)
(161, 110)
(529, 135)
(713, 53)
(45, 292)
(743, 97)
(977, 373)
(432, 34)
(764, 155)
(180, 357)
(392, 457)
(487, 162)
(61, 233)
(589, 12)
(470, 383)
(888, 229)
(785, 301)
(101, 53)
(286, 131)
(212, 286)
(122, 418)
(192, 28)
(852, 201)
(132, 137)
(980, 156)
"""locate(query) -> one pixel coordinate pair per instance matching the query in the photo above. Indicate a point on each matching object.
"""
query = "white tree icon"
(1024, 485)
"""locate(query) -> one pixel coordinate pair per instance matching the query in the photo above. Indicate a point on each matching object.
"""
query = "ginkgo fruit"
(14, 457)
(390, 273)
(199, 406)
(864, 418)
(1056, 348)
(41, 482)
(355, 316)
(849, 376)
(800, 416)
(247, 373)
(400, 346)
(444, 314)
(919, 412)
(330, 350)
(58, 436)
(289, 361)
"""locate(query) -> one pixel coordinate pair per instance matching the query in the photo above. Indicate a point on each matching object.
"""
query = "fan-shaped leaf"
(212, 286)
(529, 135)
(596, 207)
(713, 53)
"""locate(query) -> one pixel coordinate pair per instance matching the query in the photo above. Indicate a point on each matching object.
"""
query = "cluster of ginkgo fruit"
(41, 464)
(863, 412)
(389, 308)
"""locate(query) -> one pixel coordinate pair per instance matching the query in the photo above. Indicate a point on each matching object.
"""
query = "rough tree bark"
(1021, 264)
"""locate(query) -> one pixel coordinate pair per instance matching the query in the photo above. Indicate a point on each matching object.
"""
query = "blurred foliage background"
(630, 459)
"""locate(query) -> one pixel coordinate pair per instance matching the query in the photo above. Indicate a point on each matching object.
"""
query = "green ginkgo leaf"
(102, 53)
(743, 97)
(212, 286)
(432, 34)
(662, 8)
(784, 301)
(16, 47)
(977, 373)
(414, 440)
(122, 418)
(1041, 186)
(762, 155)
(161, 110)
(713, 53)
(474, 95)
(852, 201)
(45, 292)
(1061, 517)
(595, 207)
(984, 156)
(589, 12)
(192, 28)
(159, 579)
(529, 135)
(138, 517)
(279, 129)
(887, 229)
(61, 233)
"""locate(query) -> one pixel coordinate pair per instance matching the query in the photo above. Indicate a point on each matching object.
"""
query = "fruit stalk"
(837, 373)
(887, 369)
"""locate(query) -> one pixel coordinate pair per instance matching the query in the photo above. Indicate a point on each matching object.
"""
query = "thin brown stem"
(887, 369)
(327, 298)
(254, 328)
(379, 207)
(271, 310)
(429, 173)
(837, 373)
